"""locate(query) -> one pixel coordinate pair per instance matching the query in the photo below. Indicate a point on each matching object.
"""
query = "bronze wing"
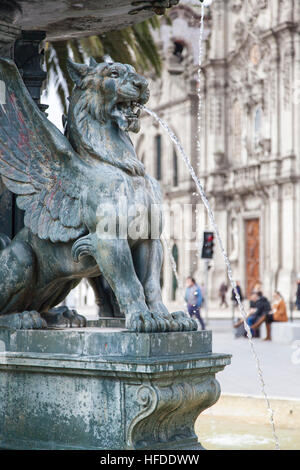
(36, 163)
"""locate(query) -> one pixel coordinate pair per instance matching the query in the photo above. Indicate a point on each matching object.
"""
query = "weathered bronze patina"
(60, 182)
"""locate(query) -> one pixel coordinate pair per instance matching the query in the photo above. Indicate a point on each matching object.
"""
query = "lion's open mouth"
(129, 108)
(126, 113)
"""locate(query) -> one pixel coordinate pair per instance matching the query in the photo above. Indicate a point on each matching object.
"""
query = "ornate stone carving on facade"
(288, 190)
(274, 192)
(236, 5)
(255, 7)
(220, 159)
(186, 13)
(285, 10)
(240, 31)
(267, 148)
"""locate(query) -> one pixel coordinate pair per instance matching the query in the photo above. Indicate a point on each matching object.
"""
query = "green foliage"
(133, 45)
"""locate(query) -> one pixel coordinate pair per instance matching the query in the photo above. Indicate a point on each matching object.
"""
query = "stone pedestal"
(105, 388)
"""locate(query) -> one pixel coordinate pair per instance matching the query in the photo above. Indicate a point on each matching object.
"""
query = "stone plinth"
(105, 388)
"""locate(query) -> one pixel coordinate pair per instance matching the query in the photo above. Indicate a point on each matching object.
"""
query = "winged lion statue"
(60, 181)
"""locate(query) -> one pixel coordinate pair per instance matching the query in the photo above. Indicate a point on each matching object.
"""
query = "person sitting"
(260, 306)
(279, 314)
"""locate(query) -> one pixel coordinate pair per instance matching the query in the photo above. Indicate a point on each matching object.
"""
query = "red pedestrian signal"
(208, 245)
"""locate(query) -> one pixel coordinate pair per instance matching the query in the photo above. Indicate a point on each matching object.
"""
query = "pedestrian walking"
(193, 298)
(222, 294)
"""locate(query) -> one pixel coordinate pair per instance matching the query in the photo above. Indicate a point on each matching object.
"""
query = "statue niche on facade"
(60, 182)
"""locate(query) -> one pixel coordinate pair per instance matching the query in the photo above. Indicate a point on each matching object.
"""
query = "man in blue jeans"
(193, 298)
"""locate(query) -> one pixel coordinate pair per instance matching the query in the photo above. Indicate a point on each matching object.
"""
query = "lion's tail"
(4, 241)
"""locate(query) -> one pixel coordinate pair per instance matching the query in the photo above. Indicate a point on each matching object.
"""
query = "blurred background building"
(249, 159)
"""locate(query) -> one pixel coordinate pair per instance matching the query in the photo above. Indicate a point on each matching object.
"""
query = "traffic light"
(208, 245)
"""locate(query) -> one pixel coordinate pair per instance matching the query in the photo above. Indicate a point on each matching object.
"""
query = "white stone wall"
(257, 66)
(250, 141)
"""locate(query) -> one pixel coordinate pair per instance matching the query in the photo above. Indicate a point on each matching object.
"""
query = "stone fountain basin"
(66, 19)
(94, 388)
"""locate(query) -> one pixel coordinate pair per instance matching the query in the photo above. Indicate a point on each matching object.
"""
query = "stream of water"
(202, 194)
(205, 201)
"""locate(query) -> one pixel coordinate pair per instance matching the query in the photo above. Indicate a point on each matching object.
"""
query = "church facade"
(248, 157)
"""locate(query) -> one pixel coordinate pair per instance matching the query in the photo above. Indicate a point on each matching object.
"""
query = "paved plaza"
(281, 375)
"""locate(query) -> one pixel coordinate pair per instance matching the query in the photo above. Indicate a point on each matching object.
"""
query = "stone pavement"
(280, 364)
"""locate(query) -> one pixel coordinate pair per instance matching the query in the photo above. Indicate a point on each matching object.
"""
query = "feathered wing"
(35, 163)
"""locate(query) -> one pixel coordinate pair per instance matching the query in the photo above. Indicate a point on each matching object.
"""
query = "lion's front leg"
(114, 259)
(148, 257)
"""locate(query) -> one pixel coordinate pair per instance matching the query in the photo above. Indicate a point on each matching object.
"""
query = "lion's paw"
(150, 322)
(141, 322)
(28, 320)
(32, 321)
(183, 322)
(64, 317)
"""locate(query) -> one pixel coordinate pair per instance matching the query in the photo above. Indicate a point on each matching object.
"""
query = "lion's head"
(113, 92)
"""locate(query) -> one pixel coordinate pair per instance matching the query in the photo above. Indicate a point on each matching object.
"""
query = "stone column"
(288, 242)
(274, 244)
(287, 131)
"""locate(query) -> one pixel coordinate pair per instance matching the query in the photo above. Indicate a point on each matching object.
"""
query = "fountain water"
(200, 100)
(212, 219)
(201, 191)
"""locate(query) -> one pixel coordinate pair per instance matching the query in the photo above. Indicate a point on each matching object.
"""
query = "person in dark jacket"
(239, 290)
(259, 306)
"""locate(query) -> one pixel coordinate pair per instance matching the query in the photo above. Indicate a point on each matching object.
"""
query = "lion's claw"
(186, 323)
(141, 322)
(150, 322)
(27, 320)
(63, 316)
